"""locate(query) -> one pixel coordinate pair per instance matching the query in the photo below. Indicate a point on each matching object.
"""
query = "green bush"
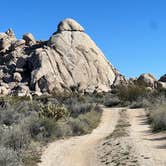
(131, 93)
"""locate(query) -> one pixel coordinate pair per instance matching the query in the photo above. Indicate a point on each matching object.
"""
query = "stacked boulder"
(68, 60)
(7, 39)
(162, 82)
(149, 81)
(13, 64)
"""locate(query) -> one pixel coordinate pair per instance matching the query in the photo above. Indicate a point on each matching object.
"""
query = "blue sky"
(131, 33)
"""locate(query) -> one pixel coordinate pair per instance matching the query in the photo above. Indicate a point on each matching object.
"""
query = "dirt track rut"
(123, 137)
(80, 151)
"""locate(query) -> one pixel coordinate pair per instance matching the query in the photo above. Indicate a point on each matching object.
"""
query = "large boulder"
(147, 80)
(70, 25)
(71, 59)
(132, 81)
(4, 89)
(6, 40)
(29, 39)
(17, 77)
(163, 78)
(120, 80)
(161, 85)
(68, 61)
(5, 44)
(18, 43)
(22, 90)
(11, 34)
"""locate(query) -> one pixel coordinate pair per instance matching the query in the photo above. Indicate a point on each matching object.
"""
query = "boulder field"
(68, 60)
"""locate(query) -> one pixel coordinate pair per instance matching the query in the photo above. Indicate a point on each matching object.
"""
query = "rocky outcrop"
(73, 59)
(119, 80)
(132, 81)
(147, 80)
(29, 39)
(6, 40)
(68, 60)
(161, 85)
(163, 78)
(69, 25)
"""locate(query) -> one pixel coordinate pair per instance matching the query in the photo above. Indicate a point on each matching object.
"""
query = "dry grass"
(121, 129)
(158, 118)
(117, 148)
(23, 122)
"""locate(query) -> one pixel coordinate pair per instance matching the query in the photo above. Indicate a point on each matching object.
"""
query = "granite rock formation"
(68, 60)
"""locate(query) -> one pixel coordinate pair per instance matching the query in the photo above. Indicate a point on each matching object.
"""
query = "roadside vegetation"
(132, 96)
(25, 125)
(157, 118)
(135, 96)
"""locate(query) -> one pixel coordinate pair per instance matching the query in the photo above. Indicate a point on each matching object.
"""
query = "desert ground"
(123, 137)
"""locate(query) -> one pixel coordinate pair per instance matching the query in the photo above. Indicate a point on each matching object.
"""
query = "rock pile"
(149, 81)
(68, 60)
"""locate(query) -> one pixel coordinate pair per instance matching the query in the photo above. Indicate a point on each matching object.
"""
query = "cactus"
(53, 111)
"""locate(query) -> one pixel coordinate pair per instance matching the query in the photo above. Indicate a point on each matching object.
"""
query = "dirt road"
(80, 151)
(150, 147)
(129, 142)
(133, 142)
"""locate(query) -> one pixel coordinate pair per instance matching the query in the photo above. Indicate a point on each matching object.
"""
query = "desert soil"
(123, 137)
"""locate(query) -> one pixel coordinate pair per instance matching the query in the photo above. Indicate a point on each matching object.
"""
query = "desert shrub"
(141, 103)
(111, 102)
(53, 111)
(92, 118)
(77, 126)
(9, 157)
(136, 104)
(42, 129)
(63, 129)
(131, 93)
(13, 114)
(158, 100)
(73, 100)
(45, 129)
(16, 138)
(95, 98)
(79, 108)
(9, 116)
(32, 155)
(97, 108)
(158, 118)
(61, 95)
(23, 121)
(3, 102)
(84, 123)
